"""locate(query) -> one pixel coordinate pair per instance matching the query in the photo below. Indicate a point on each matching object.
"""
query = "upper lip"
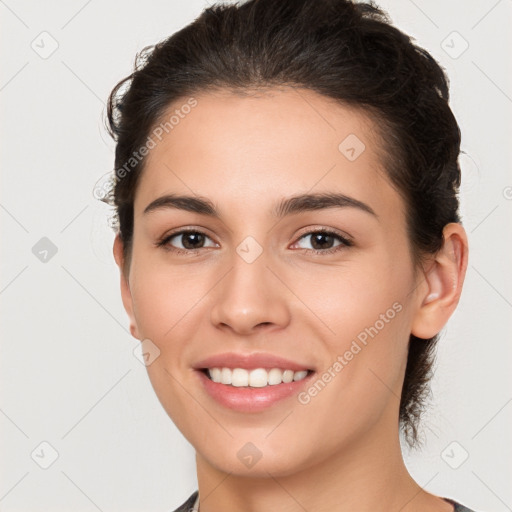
(250, 362)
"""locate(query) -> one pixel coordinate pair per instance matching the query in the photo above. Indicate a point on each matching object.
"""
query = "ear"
(439, 295)
(126, 293)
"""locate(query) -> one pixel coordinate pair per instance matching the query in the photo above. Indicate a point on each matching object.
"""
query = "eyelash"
(343, 245)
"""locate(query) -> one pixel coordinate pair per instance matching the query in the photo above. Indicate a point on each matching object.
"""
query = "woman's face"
(248, 282)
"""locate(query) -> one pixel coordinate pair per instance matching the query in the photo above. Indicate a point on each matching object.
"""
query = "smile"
(255, 378)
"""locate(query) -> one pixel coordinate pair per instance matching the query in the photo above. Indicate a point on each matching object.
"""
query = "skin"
(341, 450)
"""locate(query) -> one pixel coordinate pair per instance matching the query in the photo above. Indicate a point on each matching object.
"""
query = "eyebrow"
(289, 206)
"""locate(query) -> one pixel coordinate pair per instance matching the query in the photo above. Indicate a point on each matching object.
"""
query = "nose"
(250, 299)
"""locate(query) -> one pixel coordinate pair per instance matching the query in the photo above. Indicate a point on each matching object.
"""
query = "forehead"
(268, 144)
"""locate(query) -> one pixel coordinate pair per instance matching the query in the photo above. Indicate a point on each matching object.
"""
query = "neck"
(366, 475)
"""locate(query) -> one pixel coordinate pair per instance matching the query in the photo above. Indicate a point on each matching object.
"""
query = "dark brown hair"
(343, 50)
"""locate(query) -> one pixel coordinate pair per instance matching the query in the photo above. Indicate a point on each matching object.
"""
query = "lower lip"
(247, 399)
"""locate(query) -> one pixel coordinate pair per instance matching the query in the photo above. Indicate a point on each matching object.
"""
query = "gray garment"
(458, 506)
(189, 504)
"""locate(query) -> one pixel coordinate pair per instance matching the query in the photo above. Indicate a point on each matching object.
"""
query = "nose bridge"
(249, 295)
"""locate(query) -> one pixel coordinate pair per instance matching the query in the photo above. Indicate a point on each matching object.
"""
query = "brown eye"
(186, 240)
(192, 240)
(322, 241)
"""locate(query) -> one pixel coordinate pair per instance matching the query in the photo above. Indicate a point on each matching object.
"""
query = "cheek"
(363, 316)
(167, 301)
(365, 347)
(349, 298)
(167, 304)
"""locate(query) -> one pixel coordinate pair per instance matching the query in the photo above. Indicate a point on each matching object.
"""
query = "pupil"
(317, 241)
(194, 237)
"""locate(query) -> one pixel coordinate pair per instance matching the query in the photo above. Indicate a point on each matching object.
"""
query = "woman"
(290, 247)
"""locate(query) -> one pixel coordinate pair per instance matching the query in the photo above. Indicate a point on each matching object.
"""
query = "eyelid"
(163, 241)
(346, 241)
(324, 229)
(186, 229)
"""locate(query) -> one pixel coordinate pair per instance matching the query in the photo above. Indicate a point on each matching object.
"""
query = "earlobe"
(443, 284)
(126, 293)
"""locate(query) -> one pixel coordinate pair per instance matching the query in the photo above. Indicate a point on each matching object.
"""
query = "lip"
(247, 399)
(250, 362)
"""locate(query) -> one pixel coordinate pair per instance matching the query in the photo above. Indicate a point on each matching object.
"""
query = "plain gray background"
(69, 378)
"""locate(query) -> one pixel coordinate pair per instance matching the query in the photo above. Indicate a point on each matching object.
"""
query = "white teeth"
(300, 375)
(225, 376)
(215, 374)
(287, 376)
(239, 377)
(275, 376)
(257, 378)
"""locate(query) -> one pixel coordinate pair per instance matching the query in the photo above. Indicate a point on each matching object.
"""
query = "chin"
(250, 461)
